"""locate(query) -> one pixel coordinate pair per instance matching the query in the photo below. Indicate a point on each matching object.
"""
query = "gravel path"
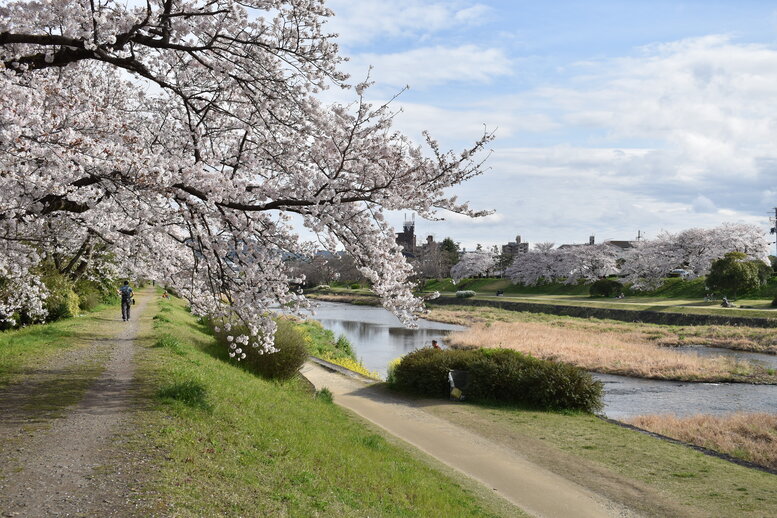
(73, 465)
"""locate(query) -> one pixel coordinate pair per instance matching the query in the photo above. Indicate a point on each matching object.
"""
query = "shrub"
(283, 364)
(355, 286)
(89, 296)
(774, 302)
(325, 395)
(501, 375)
(392, 366)
(463, 294)
(605, 288)
(344, 347)
(62, 301)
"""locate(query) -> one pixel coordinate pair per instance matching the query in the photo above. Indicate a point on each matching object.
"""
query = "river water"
(378, 337)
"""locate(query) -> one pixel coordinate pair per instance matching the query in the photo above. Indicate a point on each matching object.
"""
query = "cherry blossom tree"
(185, 137)
(539, 266)
(473, 264)
(694, 250)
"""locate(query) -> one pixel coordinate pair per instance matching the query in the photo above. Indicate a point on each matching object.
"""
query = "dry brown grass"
(610, 351)
(752, 437)
(732, 337)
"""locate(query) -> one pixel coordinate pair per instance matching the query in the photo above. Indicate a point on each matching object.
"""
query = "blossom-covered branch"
(183, 136)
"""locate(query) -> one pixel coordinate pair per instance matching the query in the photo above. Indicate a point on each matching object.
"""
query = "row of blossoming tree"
(644, 266)
(184, 140)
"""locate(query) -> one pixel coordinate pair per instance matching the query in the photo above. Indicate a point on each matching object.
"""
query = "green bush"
(774, 302)
(605, 288)
(355, 286)
(325, 395)
(89, 296)
(344, 347)
(283, 364)
(500, 375)
(463, 294)
(62, 300)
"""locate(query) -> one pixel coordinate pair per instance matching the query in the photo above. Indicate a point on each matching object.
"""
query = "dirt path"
(72, 465)
(531, 487)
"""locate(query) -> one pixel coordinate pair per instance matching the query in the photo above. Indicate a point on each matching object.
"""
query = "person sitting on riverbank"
(435, 344)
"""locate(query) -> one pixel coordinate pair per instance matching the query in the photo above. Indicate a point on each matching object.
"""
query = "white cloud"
(678, 135)
(365, 21)
(703, 204)
(432, 66)
(708, 100)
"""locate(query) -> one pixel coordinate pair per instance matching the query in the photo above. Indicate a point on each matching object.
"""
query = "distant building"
(591, 241)
(406, 238)
(516, 247)
(623, 245)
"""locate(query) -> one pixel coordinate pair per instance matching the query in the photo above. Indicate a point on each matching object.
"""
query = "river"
(378, 337)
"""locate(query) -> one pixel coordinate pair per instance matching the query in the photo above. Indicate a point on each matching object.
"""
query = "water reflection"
(378, 337)
(627, 397)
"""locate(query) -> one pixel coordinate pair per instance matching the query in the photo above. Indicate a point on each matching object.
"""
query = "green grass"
(321, 342)
(595, 453)
(22, 350)
(759, 308)
(237, 445)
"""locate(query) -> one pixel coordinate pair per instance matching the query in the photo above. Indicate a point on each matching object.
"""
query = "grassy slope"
(237, 445)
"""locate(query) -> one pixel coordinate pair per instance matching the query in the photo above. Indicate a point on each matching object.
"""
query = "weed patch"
(191, 393)
(167, 341)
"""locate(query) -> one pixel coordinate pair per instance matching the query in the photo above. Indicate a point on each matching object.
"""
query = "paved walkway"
(527, 485)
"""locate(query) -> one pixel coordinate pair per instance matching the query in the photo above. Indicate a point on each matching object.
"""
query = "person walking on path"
(126, 300)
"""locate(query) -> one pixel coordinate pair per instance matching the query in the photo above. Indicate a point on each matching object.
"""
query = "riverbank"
(608, 346)
(747, 436)
(655, 310)
(634, 474)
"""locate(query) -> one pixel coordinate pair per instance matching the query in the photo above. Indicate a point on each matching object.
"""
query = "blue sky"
(611, 117)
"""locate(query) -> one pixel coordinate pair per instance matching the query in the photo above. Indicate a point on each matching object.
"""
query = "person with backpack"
(126, 300)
